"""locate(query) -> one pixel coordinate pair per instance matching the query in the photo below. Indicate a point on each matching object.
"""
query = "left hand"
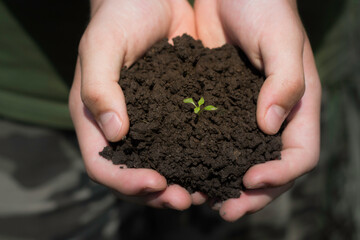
(272, 36)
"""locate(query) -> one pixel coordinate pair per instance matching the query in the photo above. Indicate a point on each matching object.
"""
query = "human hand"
(272, 36)
(119, 32)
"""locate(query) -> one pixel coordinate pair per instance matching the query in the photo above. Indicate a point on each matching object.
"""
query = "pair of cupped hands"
(272, 36)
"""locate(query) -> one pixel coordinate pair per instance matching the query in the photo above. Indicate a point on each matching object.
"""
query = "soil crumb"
(209, 152)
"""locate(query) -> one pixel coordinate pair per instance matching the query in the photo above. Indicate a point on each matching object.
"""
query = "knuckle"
(295, 87)
(91, 96)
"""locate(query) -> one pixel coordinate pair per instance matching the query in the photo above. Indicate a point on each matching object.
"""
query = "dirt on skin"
(209, 152)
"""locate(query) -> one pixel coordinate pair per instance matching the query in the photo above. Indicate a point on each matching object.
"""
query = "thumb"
(284, 85)
(110, 41)
(100, 63)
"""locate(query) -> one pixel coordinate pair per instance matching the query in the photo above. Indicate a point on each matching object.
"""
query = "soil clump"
(209, 152)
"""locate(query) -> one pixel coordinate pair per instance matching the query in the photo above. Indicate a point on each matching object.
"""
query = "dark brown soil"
(208, 153)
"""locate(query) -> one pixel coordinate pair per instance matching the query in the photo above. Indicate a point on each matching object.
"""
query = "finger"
(280, 50)
(301, 153)
(127, 181)
(284, 85)
(102, 94)
(250, 201)
(294, 163)
(105, 47)
(91, 141)
(183, 19)
(216, 206)
(198, 198)
(174, 197)
(208, 24)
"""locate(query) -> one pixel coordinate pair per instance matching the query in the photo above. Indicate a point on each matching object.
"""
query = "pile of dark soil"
(209, 152)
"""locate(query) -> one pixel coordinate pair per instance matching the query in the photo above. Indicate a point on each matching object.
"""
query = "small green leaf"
(189, 100)
(210, 108)
(201, 101)
(196, 110)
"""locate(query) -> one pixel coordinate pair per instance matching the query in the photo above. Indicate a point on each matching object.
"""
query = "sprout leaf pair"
(198, 108)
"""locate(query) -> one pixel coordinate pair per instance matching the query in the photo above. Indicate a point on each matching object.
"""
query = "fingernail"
(274, 118)
(110, 124)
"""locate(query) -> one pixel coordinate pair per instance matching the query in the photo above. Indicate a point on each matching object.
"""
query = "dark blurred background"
(324, 204)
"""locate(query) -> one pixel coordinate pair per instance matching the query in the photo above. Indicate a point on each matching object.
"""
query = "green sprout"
(198, 108)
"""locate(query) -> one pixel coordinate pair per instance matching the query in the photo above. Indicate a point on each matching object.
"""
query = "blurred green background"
(325, 203)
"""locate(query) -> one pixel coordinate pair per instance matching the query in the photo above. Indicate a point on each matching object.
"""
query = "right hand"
(120, 31)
